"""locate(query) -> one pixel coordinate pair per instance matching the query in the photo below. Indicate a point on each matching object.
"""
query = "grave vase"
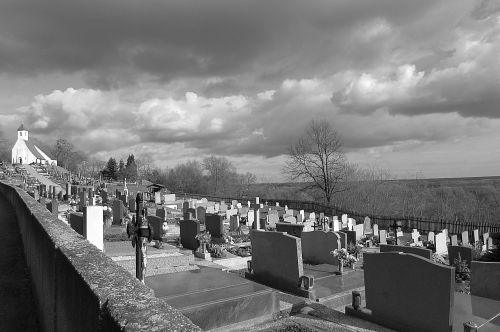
(341, 266)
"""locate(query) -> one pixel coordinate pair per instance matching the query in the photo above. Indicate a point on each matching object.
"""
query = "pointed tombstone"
(383, 236)
(465, 237)
(431, 237)
(375, 230)
(367, 229)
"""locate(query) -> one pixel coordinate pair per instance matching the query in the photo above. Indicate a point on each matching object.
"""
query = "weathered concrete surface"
(77, 287)
(17, 304)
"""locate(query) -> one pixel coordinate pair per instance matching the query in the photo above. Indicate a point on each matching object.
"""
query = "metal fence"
(407, 223)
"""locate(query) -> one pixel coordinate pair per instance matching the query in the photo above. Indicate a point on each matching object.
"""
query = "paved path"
(17, 305)
(42, 179)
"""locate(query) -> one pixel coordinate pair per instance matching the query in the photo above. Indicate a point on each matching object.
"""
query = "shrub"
(462, 270)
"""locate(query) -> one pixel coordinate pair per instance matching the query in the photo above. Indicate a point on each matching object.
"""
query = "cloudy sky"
(411, 86)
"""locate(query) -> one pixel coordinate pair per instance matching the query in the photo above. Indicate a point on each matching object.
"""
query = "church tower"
(22, 133)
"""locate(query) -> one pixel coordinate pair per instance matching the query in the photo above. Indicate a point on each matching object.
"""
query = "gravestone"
(367, 226)
(157, 197)
(157, 227)
(441, 246)
(464, 252)
(104, 196)
(375, 230)
(256, 217)
(185, 206)
(222, 207)
(308, 226)
(465, 237)
(291, 229)
(415, 236)
(210, 209)
(343, 239)
(336, 225)
(162, 213)
(351, 237)
(118, 212)
(431, 237)
(489, 243)
(276, 259)
(382, 236)
(273, 219)
(476, 236)
(300, 218)
(344, 220)
(422, 252)
(169, 197)
(190, 214)
(391, 303)
(188, 231)
(358, 229)
(317, 245)
(93, 225)
(215, 225)
(485, 237)
(131, 204)
(234, 223)
(290, 220)
(454, 240)
(200, 214)
(484, 280)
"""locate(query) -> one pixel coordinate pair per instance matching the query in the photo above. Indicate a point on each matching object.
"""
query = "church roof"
(34, 150)
(21, 127)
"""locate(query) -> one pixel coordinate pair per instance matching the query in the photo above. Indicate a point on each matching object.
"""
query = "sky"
(412, 87)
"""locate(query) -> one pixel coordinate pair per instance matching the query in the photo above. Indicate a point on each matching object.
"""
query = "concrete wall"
(76, 286)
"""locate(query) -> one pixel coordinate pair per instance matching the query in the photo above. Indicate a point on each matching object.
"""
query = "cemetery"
(224, 262)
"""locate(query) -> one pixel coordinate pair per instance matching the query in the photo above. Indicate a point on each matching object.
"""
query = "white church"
(26, 152)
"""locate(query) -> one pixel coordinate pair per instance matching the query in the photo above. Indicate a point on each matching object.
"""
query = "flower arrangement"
(344, 257)
(204, 237)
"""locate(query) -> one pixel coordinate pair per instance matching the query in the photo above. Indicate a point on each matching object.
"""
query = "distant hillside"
(466, 199)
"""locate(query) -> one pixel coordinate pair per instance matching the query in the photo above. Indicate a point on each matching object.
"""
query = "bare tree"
(317, 158)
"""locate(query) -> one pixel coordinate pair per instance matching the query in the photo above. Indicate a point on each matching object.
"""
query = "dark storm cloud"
(111, 40)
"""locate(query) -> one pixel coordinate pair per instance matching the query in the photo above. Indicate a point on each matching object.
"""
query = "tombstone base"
(202, 255)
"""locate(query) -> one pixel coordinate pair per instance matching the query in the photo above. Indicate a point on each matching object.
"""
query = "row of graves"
(292, 252)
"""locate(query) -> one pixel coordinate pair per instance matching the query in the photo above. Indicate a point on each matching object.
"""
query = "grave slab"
(212, 298)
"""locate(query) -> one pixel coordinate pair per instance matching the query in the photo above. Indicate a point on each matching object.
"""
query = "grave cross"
(141, 232)
(395, 226)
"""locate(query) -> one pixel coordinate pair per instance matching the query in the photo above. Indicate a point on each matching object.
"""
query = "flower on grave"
(204, 237)
(341, 254)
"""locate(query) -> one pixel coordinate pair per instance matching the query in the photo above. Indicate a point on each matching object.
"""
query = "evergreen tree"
(111, 169)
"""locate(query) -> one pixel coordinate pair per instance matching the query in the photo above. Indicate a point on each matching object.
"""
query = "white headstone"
(415, 235)
(250, 219)
(290, 219)
(312, 216)
(383, 236)
(441, 246)
(476, 236)
(375, 230)
(336, 225)
(257, 200)
(359, 231)
(350, 223)
(344, 220)
(93, 225)
(248, 203)
(485, 237)
(239, 206)
(431, 237)
(465, 237)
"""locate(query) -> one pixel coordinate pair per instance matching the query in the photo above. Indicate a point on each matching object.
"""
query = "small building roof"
(34, 150)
